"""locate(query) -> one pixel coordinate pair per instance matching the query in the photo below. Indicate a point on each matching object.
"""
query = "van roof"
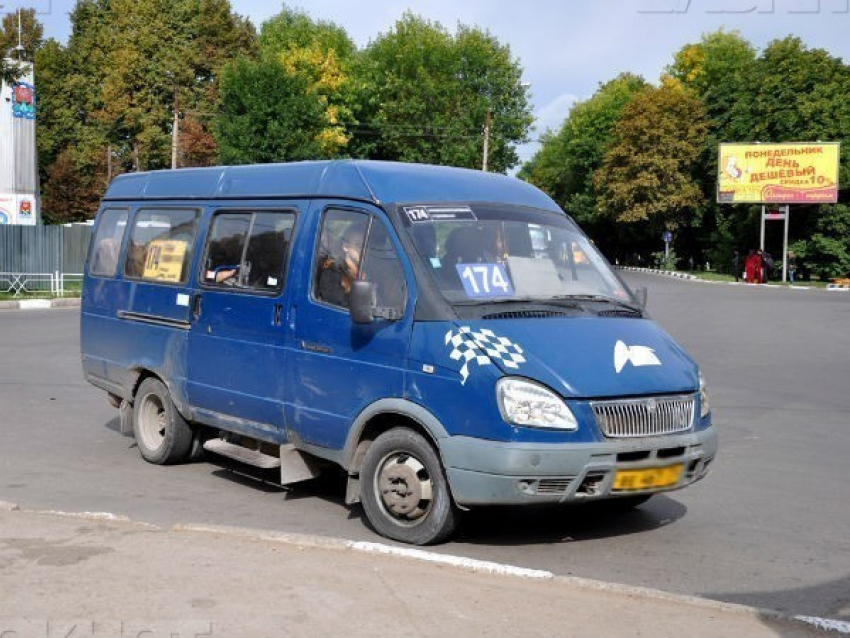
(377, 182)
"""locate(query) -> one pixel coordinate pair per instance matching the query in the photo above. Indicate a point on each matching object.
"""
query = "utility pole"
(175, 131)
(487, 122)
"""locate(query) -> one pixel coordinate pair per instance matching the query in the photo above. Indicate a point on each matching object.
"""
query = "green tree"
(718, 70)
(107, 99)
(322, 54)
(425, 94)
(646, 174)
(267, 115)
(32, 36)
(565, 164)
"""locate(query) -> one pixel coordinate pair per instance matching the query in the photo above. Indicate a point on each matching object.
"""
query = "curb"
(840, 287)
(40, 304)
(468, 564)
(655, 271)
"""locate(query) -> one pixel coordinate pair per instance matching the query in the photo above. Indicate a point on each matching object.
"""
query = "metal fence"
(44, 249)
(39, 259)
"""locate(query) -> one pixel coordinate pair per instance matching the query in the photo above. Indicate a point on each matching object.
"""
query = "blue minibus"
(449, 338)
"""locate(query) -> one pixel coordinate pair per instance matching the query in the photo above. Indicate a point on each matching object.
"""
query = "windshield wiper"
(601, 299)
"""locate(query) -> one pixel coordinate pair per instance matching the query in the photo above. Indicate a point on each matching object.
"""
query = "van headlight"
(531, 405)
(704, 405)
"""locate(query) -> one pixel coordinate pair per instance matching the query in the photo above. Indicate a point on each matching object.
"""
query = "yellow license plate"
(653, 477)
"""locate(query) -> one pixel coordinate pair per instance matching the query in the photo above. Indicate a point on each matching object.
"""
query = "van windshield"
(492, 254)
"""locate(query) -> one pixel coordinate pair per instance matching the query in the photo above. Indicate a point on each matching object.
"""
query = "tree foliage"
(107, 99)
(646, 173)
(267, 115)
(567, 160)
(425, 96)
(32, 36)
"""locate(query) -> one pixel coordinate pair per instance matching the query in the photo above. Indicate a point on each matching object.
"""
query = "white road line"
(475, 565)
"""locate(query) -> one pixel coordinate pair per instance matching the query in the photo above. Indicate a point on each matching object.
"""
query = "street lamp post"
(488, 125)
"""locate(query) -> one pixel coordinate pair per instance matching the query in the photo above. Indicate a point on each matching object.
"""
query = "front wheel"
(405, 493)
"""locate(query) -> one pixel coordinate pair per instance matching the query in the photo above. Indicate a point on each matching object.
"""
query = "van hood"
(579, 357)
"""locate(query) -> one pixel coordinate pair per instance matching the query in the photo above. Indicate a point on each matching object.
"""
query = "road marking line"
(473, 564)
(827, 624)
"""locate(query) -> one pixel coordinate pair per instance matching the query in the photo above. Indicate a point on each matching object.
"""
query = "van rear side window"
(161, 245)
(107, 243)
(248, 250)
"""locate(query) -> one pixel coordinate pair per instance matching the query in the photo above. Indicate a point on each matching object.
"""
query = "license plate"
(653, 477)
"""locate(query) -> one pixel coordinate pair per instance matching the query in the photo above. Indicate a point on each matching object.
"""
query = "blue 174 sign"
(484, 280)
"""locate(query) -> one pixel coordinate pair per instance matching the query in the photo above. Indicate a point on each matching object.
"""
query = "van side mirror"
(641, 295)
(361, 301)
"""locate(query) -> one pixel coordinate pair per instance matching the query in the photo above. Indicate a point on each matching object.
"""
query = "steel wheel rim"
(403, 489)
(152, 422)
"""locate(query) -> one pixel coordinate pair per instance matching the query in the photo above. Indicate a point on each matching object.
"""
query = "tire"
(404, 490)
(162, 435)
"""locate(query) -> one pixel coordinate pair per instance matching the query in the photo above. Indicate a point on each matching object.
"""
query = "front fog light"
(529, 404)
(704, 405)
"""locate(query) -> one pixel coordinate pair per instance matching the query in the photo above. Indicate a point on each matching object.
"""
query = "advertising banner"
(793, 173)
(17, 209)
(23, 101)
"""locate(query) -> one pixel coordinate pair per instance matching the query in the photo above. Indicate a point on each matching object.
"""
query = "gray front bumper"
(482, 472)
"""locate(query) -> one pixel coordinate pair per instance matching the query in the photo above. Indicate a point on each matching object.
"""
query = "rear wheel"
(405, 493)
(162, 435)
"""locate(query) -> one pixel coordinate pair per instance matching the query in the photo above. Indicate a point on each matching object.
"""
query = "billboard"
(792, 173)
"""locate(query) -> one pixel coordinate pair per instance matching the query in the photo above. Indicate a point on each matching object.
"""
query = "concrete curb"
(655, 271)
(40, 304)
(682, 275)
(458, 562)
(486, 567)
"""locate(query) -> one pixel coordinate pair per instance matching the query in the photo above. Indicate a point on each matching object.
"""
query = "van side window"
(107, 243)
(382, 267)
(339, 254)
(248, 250)
(161, 245)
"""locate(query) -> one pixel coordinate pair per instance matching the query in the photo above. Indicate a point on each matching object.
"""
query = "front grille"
(650, 416)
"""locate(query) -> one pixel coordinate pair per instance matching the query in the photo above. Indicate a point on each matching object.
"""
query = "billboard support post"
(785, 244)
(761, 234)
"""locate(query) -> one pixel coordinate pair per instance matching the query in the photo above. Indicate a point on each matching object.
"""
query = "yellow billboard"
(793, 173)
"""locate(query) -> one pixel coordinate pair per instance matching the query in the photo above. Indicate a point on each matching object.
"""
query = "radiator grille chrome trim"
(649, 416)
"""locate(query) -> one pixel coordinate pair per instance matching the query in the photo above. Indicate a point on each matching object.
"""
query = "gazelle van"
(450, 338)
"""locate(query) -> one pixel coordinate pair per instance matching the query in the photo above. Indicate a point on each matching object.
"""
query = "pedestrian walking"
(736, 265)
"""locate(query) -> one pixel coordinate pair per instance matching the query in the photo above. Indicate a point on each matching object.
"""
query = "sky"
(566, 47)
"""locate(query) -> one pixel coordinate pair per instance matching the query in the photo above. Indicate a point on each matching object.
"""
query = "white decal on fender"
(638, 355)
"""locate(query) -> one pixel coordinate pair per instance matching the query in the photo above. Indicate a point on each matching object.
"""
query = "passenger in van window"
(105, 260)
(339, 267)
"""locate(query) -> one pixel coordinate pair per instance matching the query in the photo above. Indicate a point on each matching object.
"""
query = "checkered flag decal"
(482, 347)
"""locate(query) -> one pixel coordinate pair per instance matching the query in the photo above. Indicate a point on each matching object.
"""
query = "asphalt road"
(769, 527)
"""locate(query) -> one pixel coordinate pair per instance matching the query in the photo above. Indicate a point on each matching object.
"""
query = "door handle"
(196, 306)
(278, 309)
